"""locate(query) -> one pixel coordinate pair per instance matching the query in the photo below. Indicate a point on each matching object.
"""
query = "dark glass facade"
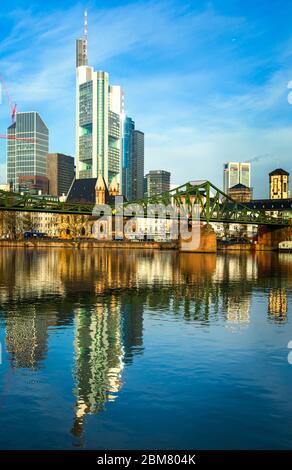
(61, 173)
(129, 126)
(158, 181)
(138, 165)
(133, 161)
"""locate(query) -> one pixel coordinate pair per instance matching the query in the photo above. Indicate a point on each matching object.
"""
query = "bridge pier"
(207, 241)
(269, 236)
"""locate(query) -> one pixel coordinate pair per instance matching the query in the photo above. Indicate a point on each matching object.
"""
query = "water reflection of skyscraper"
(132, 309)
(27, 325)
(106, 337)
(28, 274)
(98, 360)
(278, 304)
(26, 337)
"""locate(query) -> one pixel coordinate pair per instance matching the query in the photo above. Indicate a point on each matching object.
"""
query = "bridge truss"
(212, 203)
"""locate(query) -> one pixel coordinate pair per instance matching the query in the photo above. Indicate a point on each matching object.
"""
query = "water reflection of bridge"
(105, 294)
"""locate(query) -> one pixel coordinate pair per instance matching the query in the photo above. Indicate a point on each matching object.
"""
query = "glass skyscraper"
(100, 126)
(133, 160)
(99, 109)
(27, 159)
(138, 165)
(128, 129)
(236, 173)
(158, 182)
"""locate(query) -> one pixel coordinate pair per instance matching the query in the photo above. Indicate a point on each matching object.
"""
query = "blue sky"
(206, 81)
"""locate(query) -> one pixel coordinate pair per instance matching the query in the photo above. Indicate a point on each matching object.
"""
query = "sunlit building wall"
(279, 184)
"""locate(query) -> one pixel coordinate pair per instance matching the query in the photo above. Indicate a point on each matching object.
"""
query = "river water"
(113, 349)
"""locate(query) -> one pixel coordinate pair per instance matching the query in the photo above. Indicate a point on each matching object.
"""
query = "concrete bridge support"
(270, 236)
(207, 242)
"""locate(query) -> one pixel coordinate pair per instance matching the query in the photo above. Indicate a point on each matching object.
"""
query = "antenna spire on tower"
(81, 45)
(86, 32)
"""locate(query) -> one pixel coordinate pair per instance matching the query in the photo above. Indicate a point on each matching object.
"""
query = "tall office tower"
(128, 130)
(158, 181)
(99, 109)
(236, 173)
(244, 174)
(133, 161)
(138, 165)
(279, 184)
(27, 160)
(115, 116)
(92, 123)
(61, 172)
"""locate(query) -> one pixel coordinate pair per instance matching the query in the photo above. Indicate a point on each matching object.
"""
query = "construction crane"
(13, 113)
(13, 137)
(11, 104)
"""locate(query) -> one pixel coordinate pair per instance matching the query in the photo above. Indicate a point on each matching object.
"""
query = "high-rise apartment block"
(61, 173)
(27, 149)
(236, 173)
(158, 181)
(279, 184)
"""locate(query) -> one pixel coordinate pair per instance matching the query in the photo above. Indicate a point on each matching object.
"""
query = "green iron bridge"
(213, 205)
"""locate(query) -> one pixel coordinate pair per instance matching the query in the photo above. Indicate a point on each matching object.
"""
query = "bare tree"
(12, 224)
(29, 222)
(74, 225)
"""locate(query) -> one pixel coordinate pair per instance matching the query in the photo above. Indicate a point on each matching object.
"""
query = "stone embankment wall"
(88, 244)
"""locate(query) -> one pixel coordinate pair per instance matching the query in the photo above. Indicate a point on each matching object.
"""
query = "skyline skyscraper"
(27, 160)
(236, 173)
(128, 129)
(61, 173)
(138, 164)
(99, 112)
(158, 182)
(133, 160)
